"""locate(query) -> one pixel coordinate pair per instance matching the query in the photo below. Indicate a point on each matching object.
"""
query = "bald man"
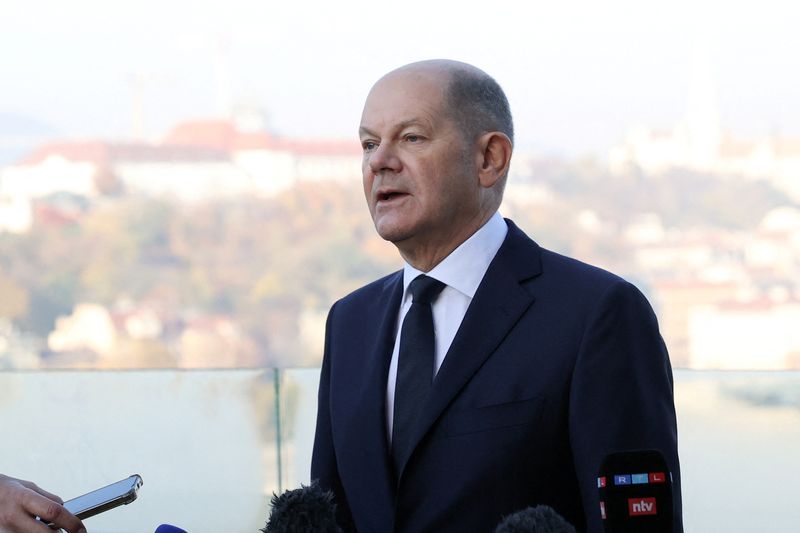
(489, 374)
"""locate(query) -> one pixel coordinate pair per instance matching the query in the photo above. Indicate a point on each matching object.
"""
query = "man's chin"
(392, 233)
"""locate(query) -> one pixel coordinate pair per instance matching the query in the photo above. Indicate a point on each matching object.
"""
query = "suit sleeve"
(621, 396)
(324, 469)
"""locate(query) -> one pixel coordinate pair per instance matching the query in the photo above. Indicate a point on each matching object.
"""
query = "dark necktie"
(414, 365)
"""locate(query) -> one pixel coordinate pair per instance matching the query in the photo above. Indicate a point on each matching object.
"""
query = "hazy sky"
(577, 73)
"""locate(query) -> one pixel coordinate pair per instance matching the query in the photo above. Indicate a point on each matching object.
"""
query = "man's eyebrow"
(363, 130)
(411, 122)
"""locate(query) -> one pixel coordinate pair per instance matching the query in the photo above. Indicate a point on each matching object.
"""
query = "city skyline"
(682, 204)
(578, 75)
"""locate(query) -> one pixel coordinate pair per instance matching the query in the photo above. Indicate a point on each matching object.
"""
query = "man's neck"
(425, 256)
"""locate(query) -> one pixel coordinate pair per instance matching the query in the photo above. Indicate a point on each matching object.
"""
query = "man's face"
(420, 179)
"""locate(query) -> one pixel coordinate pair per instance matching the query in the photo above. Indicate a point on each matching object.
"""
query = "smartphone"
(120, 493)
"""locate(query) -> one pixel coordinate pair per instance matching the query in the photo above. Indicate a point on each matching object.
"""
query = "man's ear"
(494, 157)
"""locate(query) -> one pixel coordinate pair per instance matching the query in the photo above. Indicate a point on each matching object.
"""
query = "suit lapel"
(498, 304)
(371, 418)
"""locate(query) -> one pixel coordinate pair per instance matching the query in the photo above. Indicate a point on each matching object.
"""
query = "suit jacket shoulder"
(360, 299)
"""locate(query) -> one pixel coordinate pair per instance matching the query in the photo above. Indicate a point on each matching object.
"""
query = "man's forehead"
(405, 96)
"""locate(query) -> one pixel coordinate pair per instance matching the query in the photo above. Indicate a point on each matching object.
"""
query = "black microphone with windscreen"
(635, 493)
(304, 510)
(539, 519)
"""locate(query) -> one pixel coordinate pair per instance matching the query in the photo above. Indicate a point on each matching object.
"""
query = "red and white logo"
(601, 482)
(642, 506)
(657, 477)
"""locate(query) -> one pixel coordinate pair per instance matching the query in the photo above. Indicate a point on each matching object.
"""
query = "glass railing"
(213, 445)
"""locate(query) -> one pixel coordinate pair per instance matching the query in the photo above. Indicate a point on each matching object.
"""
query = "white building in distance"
(197, 161)
(758, 335)
(698, 143)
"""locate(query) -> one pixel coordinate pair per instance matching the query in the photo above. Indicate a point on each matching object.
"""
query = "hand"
(22, 501)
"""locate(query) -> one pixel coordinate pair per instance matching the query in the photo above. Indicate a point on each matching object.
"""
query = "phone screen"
(119, 493)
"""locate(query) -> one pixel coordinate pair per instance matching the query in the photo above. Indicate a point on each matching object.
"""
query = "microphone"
(302, 510)
(166, 528)
(635, 492)
(539, 519)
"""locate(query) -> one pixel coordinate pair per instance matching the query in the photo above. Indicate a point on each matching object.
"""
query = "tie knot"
(424, 290)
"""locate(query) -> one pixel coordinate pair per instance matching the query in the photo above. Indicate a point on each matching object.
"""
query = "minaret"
(703, 130)
(222, 75)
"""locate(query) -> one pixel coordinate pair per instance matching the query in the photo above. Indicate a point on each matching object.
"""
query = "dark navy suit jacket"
(556, 364)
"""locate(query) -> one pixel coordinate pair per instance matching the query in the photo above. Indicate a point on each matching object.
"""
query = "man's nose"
(384, 157)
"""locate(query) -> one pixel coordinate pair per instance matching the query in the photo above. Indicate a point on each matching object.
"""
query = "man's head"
(437, 140)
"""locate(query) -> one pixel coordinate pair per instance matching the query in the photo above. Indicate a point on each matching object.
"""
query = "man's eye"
(369, 145)
(412, 138)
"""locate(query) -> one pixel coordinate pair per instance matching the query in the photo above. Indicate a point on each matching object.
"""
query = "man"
(22, 501)
(539, 365)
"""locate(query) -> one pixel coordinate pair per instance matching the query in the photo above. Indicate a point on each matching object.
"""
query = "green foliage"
(682, 198)
(260, 261)
(265, 261)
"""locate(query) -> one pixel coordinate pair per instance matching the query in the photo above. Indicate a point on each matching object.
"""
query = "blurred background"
(180, 204)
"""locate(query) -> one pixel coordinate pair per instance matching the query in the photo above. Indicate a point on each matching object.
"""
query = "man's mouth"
(389, 196)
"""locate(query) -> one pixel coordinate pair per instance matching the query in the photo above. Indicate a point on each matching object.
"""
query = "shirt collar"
(464, 268)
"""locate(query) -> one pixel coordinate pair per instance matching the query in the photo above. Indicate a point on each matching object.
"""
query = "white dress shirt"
(461, 272)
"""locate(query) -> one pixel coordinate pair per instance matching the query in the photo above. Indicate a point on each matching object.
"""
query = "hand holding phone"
(21, 500)
(120, 493)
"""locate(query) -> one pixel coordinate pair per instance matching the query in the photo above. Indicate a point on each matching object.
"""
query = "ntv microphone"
(635, 492)
(539, 519)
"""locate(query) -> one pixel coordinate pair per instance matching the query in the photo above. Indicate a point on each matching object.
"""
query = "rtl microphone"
(635, 492)
(303, 510)
(166, 528)
(539, 519)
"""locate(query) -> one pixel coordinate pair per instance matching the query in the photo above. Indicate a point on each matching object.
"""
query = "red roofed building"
(196, 161)
(93, 168)
(273, 163)
(214, 134)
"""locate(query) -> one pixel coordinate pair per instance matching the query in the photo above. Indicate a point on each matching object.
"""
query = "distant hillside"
(682, 198)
